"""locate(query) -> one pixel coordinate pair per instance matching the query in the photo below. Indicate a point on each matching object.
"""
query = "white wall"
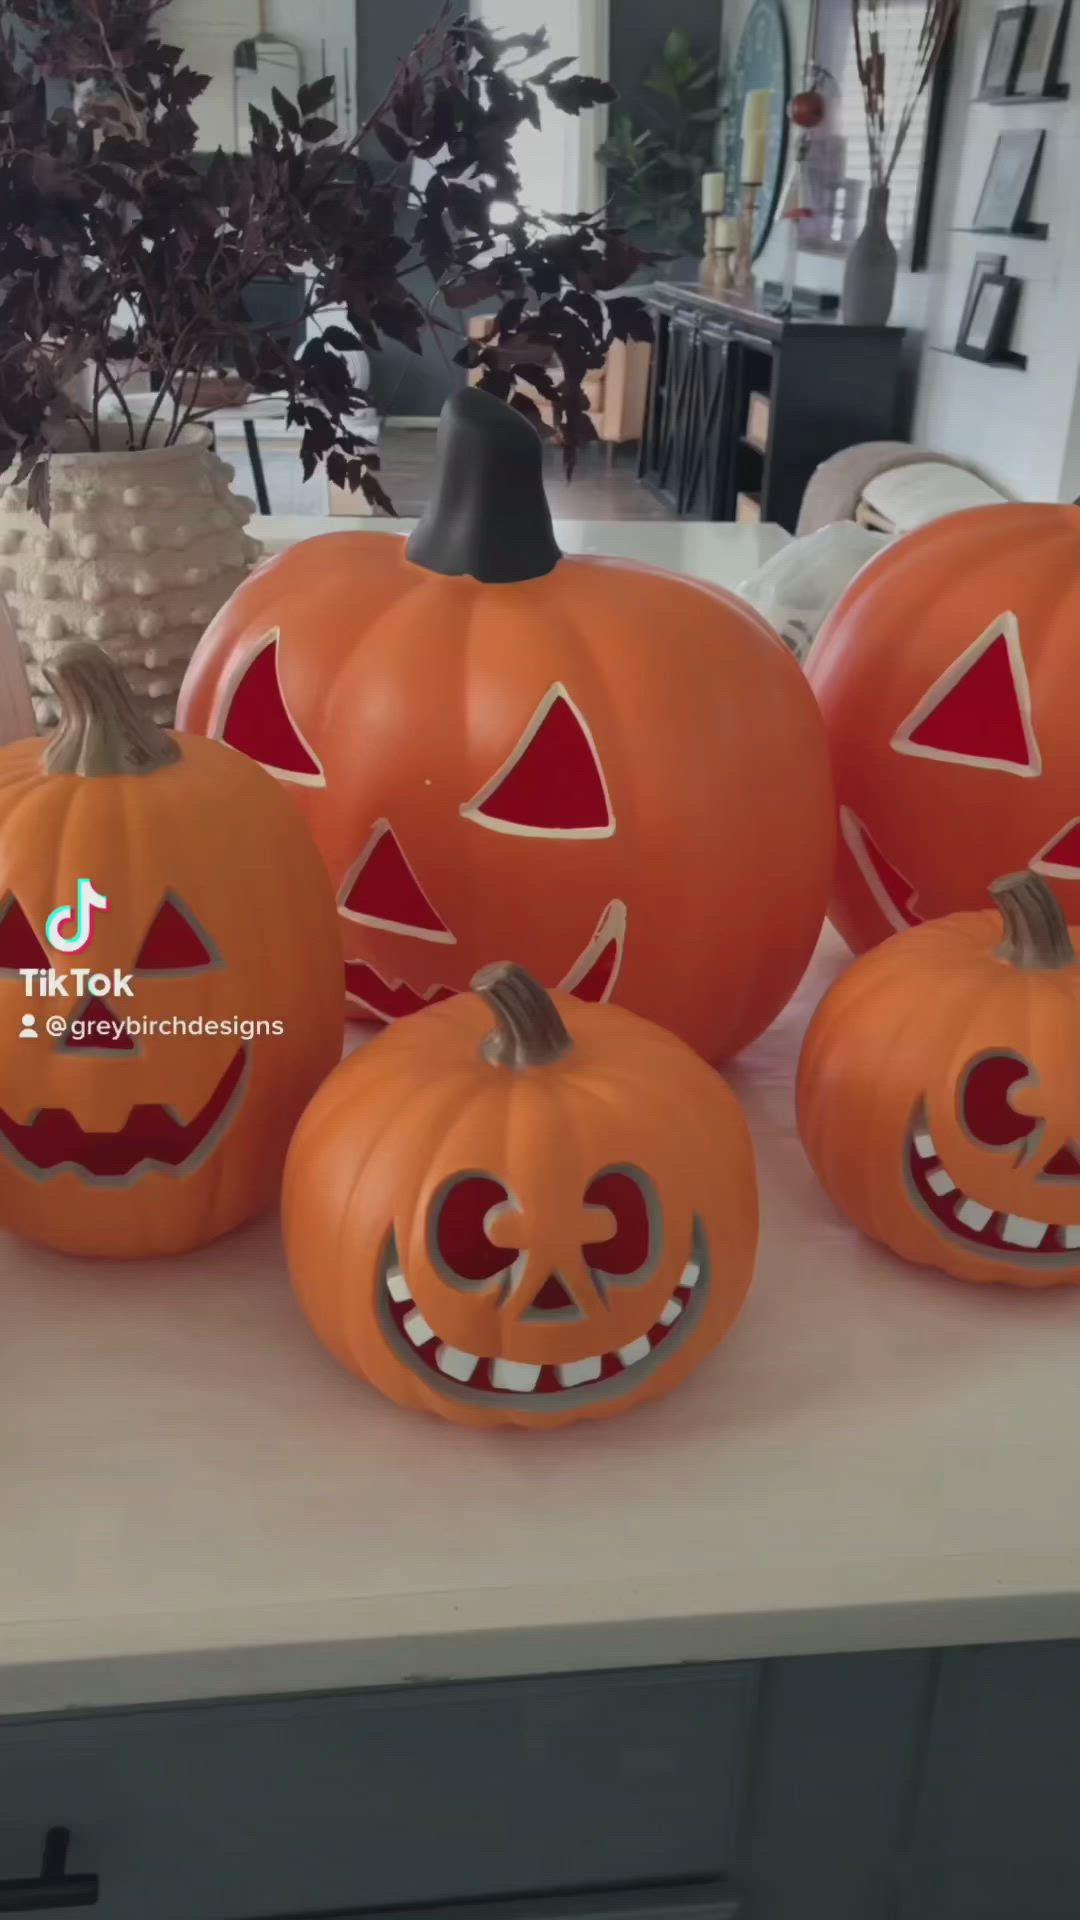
(1022, 428)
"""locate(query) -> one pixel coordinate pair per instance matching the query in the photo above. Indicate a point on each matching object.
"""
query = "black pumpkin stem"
(489, 516)
(529, 1030)
(101, 730)
(1036, 932)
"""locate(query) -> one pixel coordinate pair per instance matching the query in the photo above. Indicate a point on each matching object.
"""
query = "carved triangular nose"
(101, 1029)
(553, 1297)
(1065, 1164)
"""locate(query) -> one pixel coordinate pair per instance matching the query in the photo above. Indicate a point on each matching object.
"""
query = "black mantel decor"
(827, 386)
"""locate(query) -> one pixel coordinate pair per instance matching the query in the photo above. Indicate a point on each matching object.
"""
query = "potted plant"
(121, 248)
(655, 163)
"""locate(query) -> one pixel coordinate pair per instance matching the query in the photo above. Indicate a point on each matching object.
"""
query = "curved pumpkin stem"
(489, 516)
(101, 730)
(1036, 932)
(529, 1030)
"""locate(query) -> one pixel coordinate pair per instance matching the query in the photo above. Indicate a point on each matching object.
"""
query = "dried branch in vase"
(895, 35)
(121, 247)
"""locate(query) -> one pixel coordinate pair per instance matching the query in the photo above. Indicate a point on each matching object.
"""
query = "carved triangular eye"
(1060, 858)
(978, 712)
(253, 717)
(381, 890)
(174, 943)
(19, 944)
(552, 785)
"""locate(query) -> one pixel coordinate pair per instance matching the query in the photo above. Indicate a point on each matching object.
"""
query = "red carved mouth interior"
(54, 1138)
(985, 1228)
(392, 1000)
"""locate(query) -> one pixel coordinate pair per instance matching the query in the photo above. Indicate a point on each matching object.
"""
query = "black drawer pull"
(54, 1886)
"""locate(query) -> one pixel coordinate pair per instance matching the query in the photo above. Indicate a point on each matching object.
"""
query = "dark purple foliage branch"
(118, 247)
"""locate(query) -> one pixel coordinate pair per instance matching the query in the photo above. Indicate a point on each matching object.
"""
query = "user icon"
(29, 1027)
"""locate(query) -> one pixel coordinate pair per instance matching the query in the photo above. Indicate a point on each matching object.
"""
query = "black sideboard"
(827, 386)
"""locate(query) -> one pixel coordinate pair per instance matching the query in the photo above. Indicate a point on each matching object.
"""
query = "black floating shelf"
(1017, 361)
(1027, 230)
(1059, 92)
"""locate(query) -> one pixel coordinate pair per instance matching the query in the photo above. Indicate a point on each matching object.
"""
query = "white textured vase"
(141, 550)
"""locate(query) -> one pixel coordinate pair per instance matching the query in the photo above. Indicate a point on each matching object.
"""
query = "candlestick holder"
(715, 274)
(742, 267)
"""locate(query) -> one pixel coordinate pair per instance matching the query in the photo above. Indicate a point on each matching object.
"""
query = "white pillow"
(909, 496)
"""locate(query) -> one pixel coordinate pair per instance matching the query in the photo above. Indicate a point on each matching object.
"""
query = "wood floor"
(595, 493)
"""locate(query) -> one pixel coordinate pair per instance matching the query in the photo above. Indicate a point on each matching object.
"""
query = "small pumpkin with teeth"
(520, 1209)
(939, 1096)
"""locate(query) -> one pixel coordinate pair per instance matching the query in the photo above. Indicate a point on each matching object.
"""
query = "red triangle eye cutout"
(173, 942)
(978, 713)
(1064, 1165)
(19, 944)
(552, 786)
(1060, 858)
(381, 890)
(255, 720)
(892, 892)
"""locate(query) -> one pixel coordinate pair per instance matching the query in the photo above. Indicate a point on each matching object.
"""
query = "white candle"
(723, 235)
(753, 159)
(713, 189)
(756, 112)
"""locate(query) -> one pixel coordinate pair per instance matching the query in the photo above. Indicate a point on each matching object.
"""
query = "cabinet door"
(406, 1799)
(674, 410)
(996, 1834)
(706, 478)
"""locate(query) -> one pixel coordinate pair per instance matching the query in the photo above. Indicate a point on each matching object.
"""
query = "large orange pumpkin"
(597, 767)
(517, 1209)
(157, 1137)
(938, 1093)
(947, 676)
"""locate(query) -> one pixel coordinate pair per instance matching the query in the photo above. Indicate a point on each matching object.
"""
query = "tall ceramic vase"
(141, 550)
(870, 268)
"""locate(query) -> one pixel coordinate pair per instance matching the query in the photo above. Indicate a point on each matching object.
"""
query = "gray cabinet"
(893, 1786)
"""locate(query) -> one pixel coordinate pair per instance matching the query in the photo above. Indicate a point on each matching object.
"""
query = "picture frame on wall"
(1036, 77)
(989, 324)
(837, 169)
(1002, 63)
(984, 267)
(1005, 200)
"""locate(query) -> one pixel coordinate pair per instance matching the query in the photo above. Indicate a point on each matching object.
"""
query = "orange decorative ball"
(947, 676)
(595, 766)
(519, 1210)
(158, 1116)
(938, 1100)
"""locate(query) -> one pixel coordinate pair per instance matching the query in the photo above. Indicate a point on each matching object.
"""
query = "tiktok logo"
(80, 917)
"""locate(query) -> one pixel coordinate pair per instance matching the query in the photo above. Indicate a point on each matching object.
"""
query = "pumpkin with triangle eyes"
(595, 766)
(947, 677)
(938, 1097)
(516, 1209)
(218, 927)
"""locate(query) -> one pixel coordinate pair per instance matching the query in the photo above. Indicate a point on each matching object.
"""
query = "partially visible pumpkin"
(515, 1209)
(219, 911)
(947, 676)
(593, 765)
(939, 1092)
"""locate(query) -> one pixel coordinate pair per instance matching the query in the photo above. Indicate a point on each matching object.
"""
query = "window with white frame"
(557, 161)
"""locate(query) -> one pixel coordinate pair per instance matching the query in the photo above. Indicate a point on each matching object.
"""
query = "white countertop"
(195, 1501)
(723, 552)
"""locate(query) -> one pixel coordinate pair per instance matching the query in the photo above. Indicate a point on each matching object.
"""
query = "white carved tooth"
(924, 1146)
(417, 1328)
(459, 1366)
(396, 1285)
(636, 1350)
(691, 1274)
(515, 1375)
(1018, 1232)
(972, 1213)
(575, 1373)
(1070, 1237)
(671, 1312)
(940, 1181)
